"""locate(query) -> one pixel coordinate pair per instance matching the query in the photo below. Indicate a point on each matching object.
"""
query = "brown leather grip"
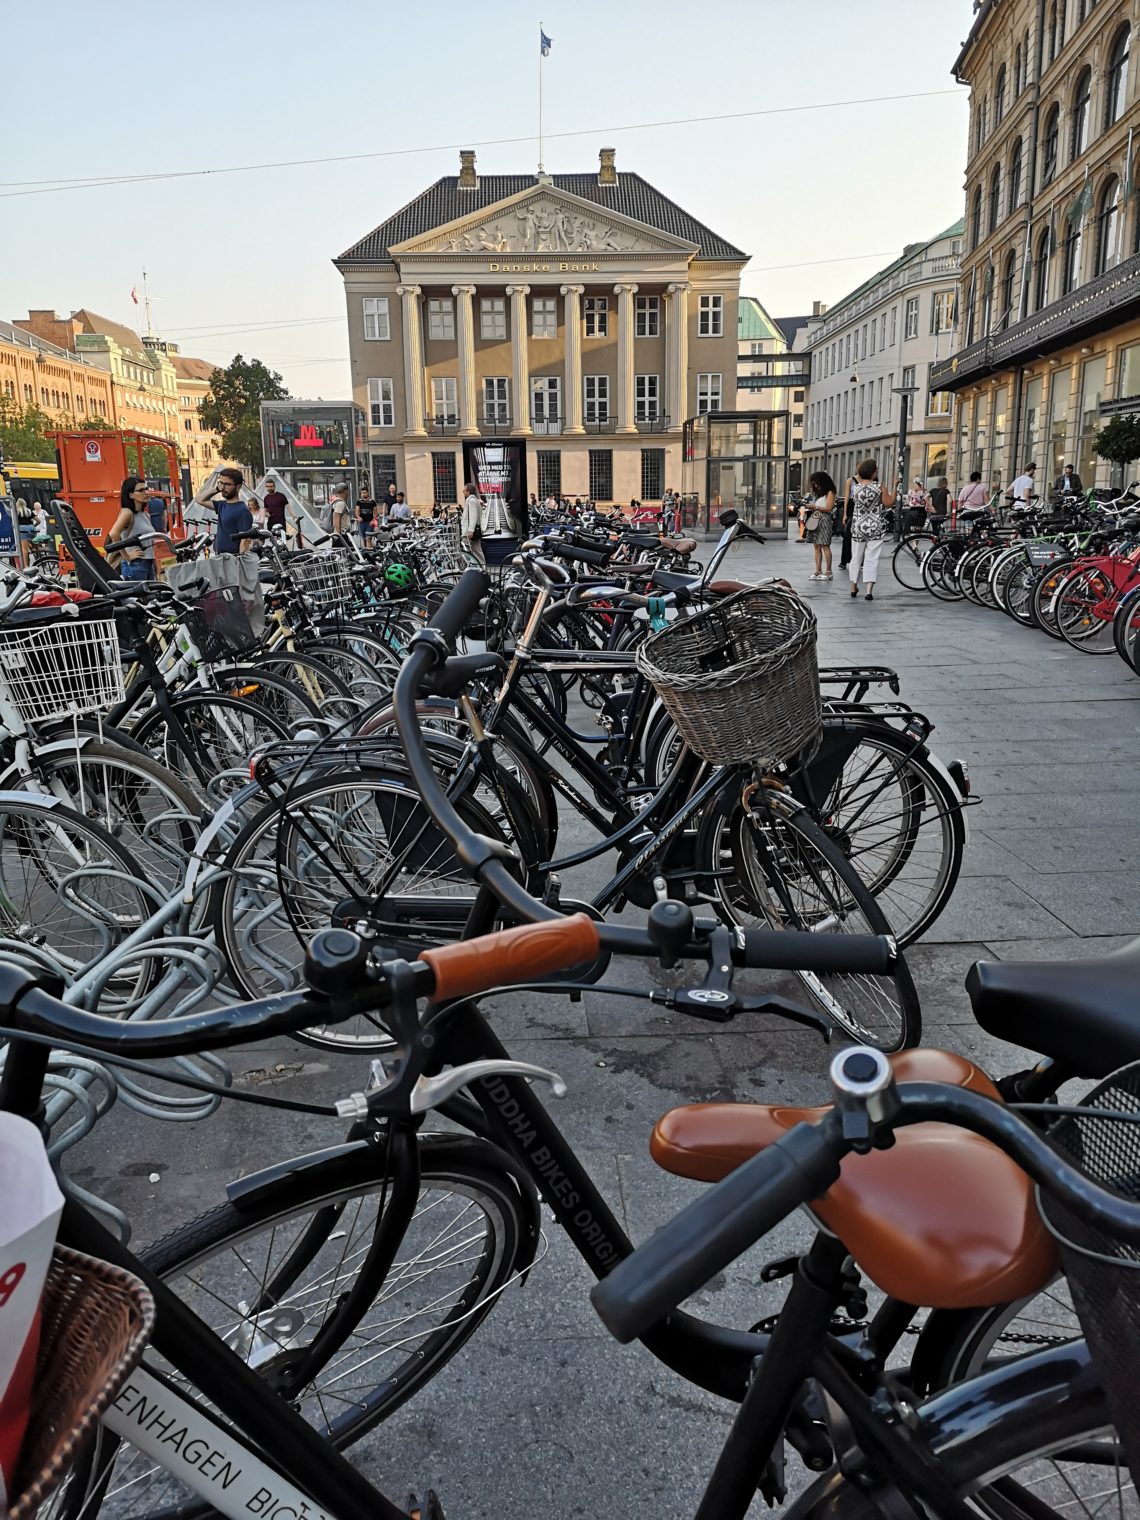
(513, 955)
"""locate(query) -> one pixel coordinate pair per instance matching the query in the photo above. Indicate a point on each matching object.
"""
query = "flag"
(1083, 201)
(544, 42)
(134, 295)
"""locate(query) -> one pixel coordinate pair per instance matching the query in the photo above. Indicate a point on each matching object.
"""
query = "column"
(625, 408)
(572, 406)
(677, 354)
(413, 358)
(465, 332)
(520, 358)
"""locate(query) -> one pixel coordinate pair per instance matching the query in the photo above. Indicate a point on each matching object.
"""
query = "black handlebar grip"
(460, 606)
(717, 1228)
(578, 555)
(792, 950)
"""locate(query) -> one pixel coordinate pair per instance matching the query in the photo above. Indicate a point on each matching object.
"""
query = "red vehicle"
(92, 468)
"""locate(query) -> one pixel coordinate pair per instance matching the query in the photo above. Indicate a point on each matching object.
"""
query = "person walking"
(869, 501)
(274, 502)
(939, 506)
(821, 523)
(1023, 492)
(471, 525)
(137, 562)
(974, 494)
(365, 517)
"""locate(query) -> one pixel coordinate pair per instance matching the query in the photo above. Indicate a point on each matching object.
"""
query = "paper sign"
(93, 451)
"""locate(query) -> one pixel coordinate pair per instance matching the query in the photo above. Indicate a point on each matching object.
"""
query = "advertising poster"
(499, 471)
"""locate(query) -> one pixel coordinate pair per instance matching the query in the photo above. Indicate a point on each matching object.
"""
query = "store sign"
(557, 268)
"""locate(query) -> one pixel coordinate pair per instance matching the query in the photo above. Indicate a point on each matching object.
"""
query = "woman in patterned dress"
(822, 490)
(869, 500)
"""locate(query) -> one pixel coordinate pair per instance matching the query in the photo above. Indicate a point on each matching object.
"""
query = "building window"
(601, 474)
(1073, 240)
(1050, 145)
(29, 394)
(441, 319)
(445, 490)
(938, 404)
(911, 328)
(1108, 227)
(597, 398)
(376, 328)
(187, 425)
(710, 317)
(975, 219)
(908, 380)
(646, 316)
(1007, 277)
(864, 348)
(980, 125)
(544, 316)
(444, 406)
(492, 319)
(80, 401)
(496, 398)
(874, 330)
(1051, 35)
(879, 400)
(549, 474)
(797, 398)
(596, 316)
(942, 312)
(646, 390)
(546, 403)
(1015, 176)
(708, 394)
(1082, 95)
(847, 347)
(995, 197)
(1041, 273)
(756, 350)
(652, 474)
(381, 403)
(883, 331)
(1128, 371)
(383, 474)
(1093, 376)
(1116, 78)
(999, 96)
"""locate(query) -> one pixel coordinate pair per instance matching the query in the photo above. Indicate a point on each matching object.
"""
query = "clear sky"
(240, 261)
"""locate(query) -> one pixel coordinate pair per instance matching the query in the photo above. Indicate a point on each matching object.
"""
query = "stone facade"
(36, 372)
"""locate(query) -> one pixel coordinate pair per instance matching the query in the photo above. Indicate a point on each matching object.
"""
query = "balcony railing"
(496, 424)
(443, 424)
(1103, 302)
(657, 424)
(600, 424)
(547, 426)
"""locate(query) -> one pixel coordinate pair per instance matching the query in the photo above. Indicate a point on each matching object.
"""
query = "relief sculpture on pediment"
(544, 227)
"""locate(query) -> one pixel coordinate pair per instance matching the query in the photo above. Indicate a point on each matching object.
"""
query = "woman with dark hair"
(137, 562)
(820, 520)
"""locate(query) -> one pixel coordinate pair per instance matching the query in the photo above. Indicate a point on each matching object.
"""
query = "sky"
(820, 194)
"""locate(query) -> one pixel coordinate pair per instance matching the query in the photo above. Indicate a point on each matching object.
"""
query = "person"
(223, 492)
(400, 511)
(939, 506)
(471, 524)
(973, 495)
(258, 511)
(916, 505)
(274, 502)
(845, 554)
(821, 487)
(1023, 492)
(532, 505)
(1069, 482)
(389, 500)
(869, 500)
(365, 516)
(137, 562)
(338, 510)
(156, 510)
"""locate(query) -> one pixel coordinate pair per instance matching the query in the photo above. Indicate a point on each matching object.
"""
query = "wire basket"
(323, 578)
(219, 624)
(741, 679)
(95, 1320)
(61, 662)
(1104, 1273)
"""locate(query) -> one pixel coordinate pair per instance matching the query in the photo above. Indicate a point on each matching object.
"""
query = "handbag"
(813, 521)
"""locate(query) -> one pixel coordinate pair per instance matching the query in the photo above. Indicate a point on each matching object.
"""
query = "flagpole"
(541, 34)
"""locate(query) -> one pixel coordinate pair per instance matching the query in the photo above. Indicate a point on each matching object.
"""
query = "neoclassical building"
(1048, 336)
(552, 330)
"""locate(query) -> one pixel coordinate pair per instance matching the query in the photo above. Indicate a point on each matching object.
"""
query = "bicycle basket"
(219, 624)
(95, 1320)
(1104, 1273)
(741, 679)
(323, 578)
(61, 662)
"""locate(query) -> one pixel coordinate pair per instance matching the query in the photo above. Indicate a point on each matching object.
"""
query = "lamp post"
(906, 392)
(826, 445)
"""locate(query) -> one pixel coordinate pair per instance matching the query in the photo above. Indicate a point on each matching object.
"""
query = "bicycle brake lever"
(429, 1092)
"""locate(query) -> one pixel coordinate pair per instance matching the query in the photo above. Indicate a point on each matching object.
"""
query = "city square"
(576, 859)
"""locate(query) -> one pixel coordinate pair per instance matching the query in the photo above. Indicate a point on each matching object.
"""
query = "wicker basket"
(94, 1323)
(741, 679)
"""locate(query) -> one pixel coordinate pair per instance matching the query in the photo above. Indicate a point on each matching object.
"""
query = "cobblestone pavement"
(542, 1414)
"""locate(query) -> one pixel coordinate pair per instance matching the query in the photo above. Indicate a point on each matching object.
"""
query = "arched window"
(1018, 65)
(1108, 227)
(1041, 273)
(1082, 93)
(980, 126)
(976, 219)
(1050, 144)
(988, 302)
(1025, 60)
(1074, 237)
(995, 197)
(1015, 176)
(999, 96)
(1116, 78)
(55, 399)
(1051, 35)
(1008, 314)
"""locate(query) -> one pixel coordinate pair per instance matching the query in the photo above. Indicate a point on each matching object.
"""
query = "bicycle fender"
(951, 787)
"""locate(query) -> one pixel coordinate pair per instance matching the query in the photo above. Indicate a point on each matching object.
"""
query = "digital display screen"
(298, 436)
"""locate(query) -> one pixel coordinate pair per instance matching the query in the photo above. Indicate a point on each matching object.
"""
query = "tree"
(24, 432)
(1119, 440)
(232, 406)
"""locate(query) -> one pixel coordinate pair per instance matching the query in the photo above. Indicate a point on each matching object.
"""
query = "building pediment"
(544, 221)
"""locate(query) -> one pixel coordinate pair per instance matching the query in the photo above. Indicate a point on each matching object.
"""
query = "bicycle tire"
(465, 1171)
(906, 561)
(770, 860)
(269, 689)
(955, 1344)
(1045, 589)
(218, 746)
(1078, 597)
(937, 572)
(1126, 625)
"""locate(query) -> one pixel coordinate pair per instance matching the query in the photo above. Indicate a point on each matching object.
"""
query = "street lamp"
(906, 392)
(826, 445)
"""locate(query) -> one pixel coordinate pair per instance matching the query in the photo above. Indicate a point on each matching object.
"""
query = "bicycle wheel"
(1084, 609)
(268, 1277)
(1041, 603)
(274, 691)
(1126, 626)
(1001, 569)
(981, 574)
(216, 734)
(964, 572)
(939, 569)
(322, 687)
(352, 848)
(771, 866)
(367, 680)
(957, 1344)
(906, 561)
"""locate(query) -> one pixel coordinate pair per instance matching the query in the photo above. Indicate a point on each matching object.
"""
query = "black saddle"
(672, 580)
(1085, 1014)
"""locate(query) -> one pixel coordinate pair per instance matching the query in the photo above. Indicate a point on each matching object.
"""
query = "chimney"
(607, 174)
(818, 308)
(468, 179)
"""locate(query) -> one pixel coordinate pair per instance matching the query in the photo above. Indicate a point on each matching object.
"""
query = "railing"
(495, 425)
(443, 424)
(606, 424)
(657, 424)
(1082, 312)
(548, 426)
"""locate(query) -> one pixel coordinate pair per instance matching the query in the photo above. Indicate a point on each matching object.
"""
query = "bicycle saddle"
(942, 1219)
(1085, 1014)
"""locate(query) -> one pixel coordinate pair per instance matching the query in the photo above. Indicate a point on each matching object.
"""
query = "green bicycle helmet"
(403, 577)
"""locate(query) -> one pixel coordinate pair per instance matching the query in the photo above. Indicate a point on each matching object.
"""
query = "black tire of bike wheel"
(955, 1344)
(1097, 639)
(1125, 630)
(210, 1232)
(964, 572)
(327, 691)
(185, 705)
(906, 561)
(273, 690)
(938, 570)
(1044, 589)
(721, 824)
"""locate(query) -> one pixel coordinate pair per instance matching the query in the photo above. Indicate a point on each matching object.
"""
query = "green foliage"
(1119, 439)
(23, 432)
(232, 406)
